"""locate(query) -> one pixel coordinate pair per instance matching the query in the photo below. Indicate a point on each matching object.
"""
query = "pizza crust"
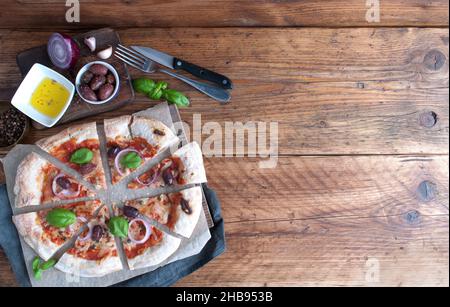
(29, 180)
(86, 268)
(144, 127)
(119, 126)
(192, 158)
(31, 233)
(186, 223)
(156, 254)
(79, 132)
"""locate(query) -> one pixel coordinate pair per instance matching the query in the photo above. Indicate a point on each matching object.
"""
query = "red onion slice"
(119, 155)
(63, 50)
(151, 181)
(64, 193)
(148, 231)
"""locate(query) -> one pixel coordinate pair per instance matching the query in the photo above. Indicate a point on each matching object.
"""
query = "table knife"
(176, 63)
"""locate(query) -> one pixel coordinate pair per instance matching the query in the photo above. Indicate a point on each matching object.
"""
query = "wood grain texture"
(332, 91)
(325, 220)
(222, 13)
(362, 178)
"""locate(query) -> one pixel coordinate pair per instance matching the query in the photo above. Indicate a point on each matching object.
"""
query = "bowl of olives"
(97, 82)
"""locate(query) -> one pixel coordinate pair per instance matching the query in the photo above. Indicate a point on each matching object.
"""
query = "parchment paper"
(55, 278)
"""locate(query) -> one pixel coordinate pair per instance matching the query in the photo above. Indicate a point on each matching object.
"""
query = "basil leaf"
(118, 226)
(157, 91)
(61, 217)
(38, 274)
(131, 160)
(82, 156)
(143, 85)
(155, 94)
(48, 264)
(36, 263)
(176, 97)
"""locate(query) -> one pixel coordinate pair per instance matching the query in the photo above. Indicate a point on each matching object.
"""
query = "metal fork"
(141, 62)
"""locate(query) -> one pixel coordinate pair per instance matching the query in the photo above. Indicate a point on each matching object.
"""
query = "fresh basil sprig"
(82, 156)
(131, 160)
(159, 90)
(39, 267)
(61, 217)
(118, 226)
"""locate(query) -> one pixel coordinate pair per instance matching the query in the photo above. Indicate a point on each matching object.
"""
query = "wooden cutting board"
(79, 108)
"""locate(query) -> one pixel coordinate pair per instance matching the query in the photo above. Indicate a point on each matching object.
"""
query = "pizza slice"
(145, 245)
(39, 182)
(132, 141)
(47, 231)
(184, 167)
(79, 148)
(95, 252)
(178, 211)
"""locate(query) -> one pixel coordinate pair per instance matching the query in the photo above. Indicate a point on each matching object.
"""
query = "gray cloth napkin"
(164, 276)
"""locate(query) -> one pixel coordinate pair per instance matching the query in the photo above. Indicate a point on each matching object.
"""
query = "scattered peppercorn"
(12, 126)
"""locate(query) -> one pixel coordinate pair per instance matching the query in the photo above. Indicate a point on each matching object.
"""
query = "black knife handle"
(203, 73)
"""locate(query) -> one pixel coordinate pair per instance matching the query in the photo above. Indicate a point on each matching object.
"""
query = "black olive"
(185, 206)
(97, 233)
(113, 151)
(130, 212)
(87, 77)
(63, 182)
(167, 176)
(158, 132)
(87, 168)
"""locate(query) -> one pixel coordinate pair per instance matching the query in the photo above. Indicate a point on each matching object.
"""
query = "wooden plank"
(413, 55)
(331, 252)
(323, 187)
(342, 91)
(223, 13)
(7, 278)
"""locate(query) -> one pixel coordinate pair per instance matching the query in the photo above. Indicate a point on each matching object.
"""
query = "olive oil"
(50, 98)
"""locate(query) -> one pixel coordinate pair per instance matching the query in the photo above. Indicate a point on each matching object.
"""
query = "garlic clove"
(105, 53)
(91, 42)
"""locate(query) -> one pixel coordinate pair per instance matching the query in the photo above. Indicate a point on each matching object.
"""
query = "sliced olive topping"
(185, 206)
(159, 132)
(167, 176)
(130, 212)
(87, 168)
(113, 151)
(97, 232)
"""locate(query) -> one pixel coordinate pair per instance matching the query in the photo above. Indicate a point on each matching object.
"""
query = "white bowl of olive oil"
(44, 95)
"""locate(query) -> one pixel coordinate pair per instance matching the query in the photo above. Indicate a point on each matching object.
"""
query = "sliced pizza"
(39, 182)
(79, 148)
(47, 231)
(132, 141)
(95, 252)
(178, 211)
(184, 167)
(145, 245)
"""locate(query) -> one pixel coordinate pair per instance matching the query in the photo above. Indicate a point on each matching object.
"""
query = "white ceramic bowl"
(22, 97)
(86, 68)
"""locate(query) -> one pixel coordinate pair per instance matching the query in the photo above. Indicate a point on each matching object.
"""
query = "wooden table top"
(359, 196)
